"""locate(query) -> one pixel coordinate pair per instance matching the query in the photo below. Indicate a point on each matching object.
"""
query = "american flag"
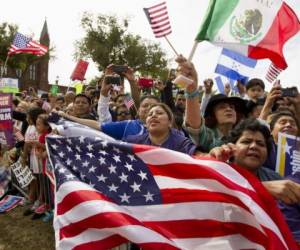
(159, 20)
(128, 101)
(109, 193)
(273, 73)
(23, 44)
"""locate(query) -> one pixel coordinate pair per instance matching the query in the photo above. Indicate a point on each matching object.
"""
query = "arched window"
(32, 72)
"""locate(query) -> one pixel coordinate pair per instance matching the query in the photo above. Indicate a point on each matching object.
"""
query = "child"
(29, 153)
(255, 89)
(43, 129)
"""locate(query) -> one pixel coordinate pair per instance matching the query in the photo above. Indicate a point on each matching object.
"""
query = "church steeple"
(44, 38)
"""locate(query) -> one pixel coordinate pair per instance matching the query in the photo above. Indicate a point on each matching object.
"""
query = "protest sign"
(23, 174)
(6, 123)
(288, 155)
(9, 85)
(9, 202)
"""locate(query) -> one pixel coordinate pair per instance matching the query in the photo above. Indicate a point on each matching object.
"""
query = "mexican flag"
(255, 28)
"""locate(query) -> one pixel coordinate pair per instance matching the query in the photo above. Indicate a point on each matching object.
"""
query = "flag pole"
(69, 86)
(171, 45)
(2, 71)
(193, 51)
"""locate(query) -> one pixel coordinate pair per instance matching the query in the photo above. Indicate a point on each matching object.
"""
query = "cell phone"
(119, 69)
(115, 80)
(289, 92)
(145, 82)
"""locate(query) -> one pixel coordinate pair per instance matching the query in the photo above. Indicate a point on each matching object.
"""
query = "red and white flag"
(273, 73)
(159, 20)
(109, 193)
(25, 45)
(80, 70)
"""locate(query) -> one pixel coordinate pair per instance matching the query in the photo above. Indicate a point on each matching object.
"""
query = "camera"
(119, 69)
(289, 92)
(145, 82)
(115, 80)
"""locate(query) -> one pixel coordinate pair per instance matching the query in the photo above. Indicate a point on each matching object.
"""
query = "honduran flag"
(257, 29)
(235, 66)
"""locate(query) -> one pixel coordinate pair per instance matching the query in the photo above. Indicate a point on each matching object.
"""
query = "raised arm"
(135, 91)
(90, 123)
(192, 114)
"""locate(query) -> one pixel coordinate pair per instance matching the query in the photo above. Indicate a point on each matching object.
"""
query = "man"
(82, 107)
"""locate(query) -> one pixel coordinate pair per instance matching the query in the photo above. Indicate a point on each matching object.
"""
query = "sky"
(63, 18)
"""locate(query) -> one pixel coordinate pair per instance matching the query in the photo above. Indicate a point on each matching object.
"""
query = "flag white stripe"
(171, 157)
(162, 32)
(69, 187)
(217, 211)
(212, 185)
(133, 233)
(218, 243)
(228, 62)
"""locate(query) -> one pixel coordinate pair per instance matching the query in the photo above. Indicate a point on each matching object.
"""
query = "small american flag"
(273, 73)
(23, 44)
(128, 101)
(18, 135)
(159, 20)
(109, 193)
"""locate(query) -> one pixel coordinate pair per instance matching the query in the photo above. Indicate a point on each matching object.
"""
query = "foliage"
(108, 41)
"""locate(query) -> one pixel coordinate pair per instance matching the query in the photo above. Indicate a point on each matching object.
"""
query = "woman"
(248, 147)
(159, 123)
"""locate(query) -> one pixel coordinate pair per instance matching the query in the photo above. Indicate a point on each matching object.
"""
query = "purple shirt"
(176, 141)
(292, 212)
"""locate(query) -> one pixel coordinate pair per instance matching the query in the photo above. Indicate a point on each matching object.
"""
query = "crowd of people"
(241, 129)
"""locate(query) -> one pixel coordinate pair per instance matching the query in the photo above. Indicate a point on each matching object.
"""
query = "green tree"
(18, 61)
(107, 41)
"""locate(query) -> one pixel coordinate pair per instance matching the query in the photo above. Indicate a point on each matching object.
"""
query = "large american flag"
(159, 20)
(23, 44)
(109, 193)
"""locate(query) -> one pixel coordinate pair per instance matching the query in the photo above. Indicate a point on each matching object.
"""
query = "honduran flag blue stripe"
(230, 73)
(220, 84)
(251, 63)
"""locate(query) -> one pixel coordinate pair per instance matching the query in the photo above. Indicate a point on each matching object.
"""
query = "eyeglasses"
(123, 113)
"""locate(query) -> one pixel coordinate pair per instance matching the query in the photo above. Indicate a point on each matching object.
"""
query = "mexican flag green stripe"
(218, 11)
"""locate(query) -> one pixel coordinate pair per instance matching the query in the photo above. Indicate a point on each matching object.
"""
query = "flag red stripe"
(106, 219)
(106, 243)
(155, 6)
(161, 25)
(74, 198)
(206, 228)
(284, 26)
(157, 18)
(162, 33)
(154, 11)
(177, 195)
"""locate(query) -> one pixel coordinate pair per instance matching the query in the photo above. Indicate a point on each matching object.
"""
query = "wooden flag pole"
(193, 51)
(2, 71)
(171, 45)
